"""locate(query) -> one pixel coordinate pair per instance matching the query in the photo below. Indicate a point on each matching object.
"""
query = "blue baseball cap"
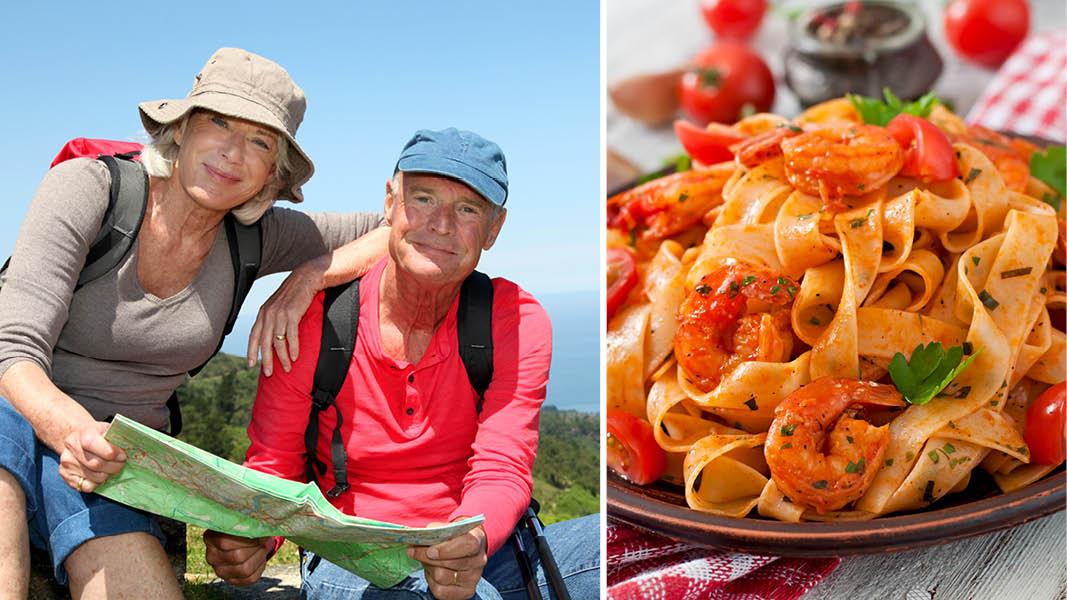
(461, 155)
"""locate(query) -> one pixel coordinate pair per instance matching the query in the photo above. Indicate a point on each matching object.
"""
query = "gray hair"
(158, 158)
(495, 208)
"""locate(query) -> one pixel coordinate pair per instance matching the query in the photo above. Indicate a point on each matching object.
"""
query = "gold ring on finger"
(280, 338)
(81, 480)
(455, 578)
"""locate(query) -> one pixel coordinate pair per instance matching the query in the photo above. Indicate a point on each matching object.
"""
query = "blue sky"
(526, 75)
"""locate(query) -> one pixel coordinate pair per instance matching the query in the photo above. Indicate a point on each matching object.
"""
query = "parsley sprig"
(1050, 166)
(928, 372)
(875, 112)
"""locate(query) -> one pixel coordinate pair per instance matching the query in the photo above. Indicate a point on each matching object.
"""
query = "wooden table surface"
(1025, 562)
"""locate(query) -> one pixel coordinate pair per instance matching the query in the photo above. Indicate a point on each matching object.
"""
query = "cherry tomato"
(928, 153)
(632, 450)
(622, 276)
(986, 31)
(733, 19)
(1045, 422)
(708, 146)
(722, 80)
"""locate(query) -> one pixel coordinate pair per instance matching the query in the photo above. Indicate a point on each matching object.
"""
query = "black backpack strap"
(474, 324)
(126, 204)
(340, 322)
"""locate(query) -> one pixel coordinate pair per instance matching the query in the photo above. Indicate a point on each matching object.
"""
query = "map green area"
(168, 477)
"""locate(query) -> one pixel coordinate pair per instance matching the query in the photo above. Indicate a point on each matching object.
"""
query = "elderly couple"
(71, 357)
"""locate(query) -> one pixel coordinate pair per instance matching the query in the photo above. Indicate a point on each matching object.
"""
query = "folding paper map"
(168, 477)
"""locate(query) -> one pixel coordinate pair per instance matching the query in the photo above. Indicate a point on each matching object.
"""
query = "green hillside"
(217, 405)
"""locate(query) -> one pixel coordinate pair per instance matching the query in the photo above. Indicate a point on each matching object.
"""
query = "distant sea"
(574, 379)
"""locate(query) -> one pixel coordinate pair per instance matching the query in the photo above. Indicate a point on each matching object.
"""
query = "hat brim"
(163, 112)
(485, 185)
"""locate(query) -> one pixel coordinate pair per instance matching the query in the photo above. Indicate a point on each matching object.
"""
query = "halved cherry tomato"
(928, 153)
(708, 146)
(1044, 432)
(632, 450)
(622, 276)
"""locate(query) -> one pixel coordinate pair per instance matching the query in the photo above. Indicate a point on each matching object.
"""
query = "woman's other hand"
(87, 459)
(453, 567)
(236, 560)
(275, 333)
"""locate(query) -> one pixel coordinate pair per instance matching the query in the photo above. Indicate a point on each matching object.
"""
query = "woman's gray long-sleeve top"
(112, 346)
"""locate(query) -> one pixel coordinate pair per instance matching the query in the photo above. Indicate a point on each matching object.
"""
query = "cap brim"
(163, 112)
(485, 185)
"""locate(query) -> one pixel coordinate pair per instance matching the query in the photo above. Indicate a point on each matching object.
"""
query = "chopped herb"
(794, 128)
(928, 493)
(682, 163)
(1043, 290)
(889, 462)
(952, 463)
(1050, 166)
(929, 370)
(854, 223)
(1051, 199)
(633, 237)
(963, 391)
(747, 280)
(850, 467)
(850, 440)
(786, 445)
(949, 448)
(964, 459)
(976, 260)
(683, 197)
(910, 455)
(792, 290)
(859, 187)
(769, 176)
(951, 424)
(994, 402)
(1023, 450)
(734, 288)
(774, 290)
(819, 485)
(1015, 272)
(703, 290)
(934, 456)
(987, 299)
(789, 429)
(972, 175)
(751, 404)
(805, 216)
(967, 348)
(875, 112)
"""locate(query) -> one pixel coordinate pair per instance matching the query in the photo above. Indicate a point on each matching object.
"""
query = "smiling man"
(420, 446)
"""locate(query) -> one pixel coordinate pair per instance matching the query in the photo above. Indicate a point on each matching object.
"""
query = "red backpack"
(79, 147)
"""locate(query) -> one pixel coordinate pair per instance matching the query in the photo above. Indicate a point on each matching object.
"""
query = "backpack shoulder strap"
(474, 324)
(340, 323)
(122, 219)
(246, 245)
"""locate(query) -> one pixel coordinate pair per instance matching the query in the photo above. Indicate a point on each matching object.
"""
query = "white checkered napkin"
(1028, 95)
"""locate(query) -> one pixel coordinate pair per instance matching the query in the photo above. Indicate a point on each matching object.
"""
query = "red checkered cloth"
(642, 566)
(1028, 95)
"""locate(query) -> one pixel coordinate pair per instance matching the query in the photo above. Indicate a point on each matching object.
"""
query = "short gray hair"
(496, 208)
(158, 158)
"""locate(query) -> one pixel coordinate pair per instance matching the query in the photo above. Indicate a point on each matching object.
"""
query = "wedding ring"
(280, 338)
(455, 578)
(81, 480)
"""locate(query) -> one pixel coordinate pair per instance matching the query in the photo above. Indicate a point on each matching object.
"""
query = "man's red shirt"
(417, 450)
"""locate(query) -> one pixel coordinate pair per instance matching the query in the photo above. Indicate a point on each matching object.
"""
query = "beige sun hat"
(240, 84)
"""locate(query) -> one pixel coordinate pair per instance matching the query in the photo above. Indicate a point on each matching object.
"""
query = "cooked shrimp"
(818, 453)
(670, 204)
(714, 336)
(1005, 156)
(764, 146)
(840, 159)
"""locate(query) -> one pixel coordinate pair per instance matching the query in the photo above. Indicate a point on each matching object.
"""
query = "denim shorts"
(60, 518)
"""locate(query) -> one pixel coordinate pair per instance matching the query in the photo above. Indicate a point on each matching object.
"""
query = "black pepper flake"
(751, 403)
(703, 290)
(928, 493)
(964, 391)
(987, 299)
(972, 175)
(850, 440)
(968, 348)
(814, 321)
(1015, 272)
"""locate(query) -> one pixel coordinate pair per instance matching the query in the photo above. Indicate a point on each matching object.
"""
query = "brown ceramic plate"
(981, 508)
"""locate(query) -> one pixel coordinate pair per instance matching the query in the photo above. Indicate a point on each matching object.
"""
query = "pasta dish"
(836, 320)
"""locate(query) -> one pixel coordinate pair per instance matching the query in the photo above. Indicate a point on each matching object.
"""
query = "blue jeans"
(575, 546)
(60, 518)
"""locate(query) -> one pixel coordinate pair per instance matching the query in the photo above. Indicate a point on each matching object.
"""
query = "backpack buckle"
(321, 399)
(337, 490)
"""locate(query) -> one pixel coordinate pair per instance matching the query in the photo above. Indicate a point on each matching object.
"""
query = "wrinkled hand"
(236, 560)
(276, 330)
(454, 566)
(88, 459)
